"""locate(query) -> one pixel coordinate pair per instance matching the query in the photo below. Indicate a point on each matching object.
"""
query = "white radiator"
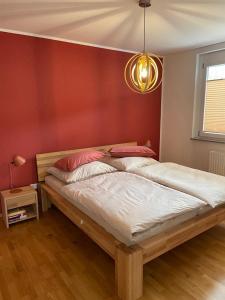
(217, 162)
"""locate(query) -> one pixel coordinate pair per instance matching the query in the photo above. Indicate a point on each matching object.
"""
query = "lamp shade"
(148, 144)
(143, 73)
(18, 161)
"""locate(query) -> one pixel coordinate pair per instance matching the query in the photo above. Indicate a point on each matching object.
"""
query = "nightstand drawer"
(21, 201)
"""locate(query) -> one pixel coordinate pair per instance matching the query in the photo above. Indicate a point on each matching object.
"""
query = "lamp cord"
(144, 27)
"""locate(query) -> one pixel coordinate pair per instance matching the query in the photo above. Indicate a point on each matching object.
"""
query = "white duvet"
(203, 185)
(129, 203)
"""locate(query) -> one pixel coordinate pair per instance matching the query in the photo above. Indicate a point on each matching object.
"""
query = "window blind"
(214, 110)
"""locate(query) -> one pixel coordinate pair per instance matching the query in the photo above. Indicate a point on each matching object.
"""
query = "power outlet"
(34, 185)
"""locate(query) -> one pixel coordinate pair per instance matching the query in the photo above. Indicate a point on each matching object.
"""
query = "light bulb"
(144, 73)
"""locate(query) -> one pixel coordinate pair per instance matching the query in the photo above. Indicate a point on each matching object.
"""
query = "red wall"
(59, 96)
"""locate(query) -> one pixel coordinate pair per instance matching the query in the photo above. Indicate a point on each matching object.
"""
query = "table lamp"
(148, 144)
(17, 161)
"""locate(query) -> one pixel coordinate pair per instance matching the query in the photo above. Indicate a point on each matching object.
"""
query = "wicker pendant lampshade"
(143, 72)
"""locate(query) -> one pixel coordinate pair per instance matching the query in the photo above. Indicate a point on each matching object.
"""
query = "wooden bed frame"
(129, 261)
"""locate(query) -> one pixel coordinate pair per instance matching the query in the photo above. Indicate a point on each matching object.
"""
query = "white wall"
(177, 111)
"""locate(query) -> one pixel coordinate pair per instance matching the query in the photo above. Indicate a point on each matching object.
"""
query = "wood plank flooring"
(53, 260)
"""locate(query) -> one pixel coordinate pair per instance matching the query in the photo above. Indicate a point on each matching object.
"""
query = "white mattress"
(58, 186)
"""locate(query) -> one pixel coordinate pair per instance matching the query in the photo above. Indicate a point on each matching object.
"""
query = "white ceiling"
(172, 25)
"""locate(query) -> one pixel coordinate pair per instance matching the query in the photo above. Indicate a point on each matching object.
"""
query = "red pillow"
(70, 163)
(132, 151)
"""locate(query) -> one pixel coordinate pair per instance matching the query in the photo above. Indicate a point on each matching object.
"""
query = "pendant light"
(143, 72)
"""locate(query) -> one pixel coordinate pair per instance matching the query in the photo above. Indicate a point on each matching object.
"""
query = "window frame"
(205, 60)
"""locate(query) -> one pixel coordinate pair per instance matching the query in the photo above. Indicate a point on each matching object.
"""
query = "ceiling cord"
(144, 28)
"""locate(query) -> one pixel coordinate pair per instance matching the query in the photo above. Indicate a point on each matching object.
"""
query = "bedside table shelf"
(29, 216)
(23, 203)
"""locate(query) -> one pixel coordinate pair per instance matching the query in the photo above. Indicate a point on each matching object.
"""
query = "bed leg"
(129, 272)
(46, 204)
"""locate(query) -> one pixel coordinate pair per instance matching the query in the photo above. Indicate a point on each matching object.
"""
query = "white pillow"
(83, 172)
(128, 163)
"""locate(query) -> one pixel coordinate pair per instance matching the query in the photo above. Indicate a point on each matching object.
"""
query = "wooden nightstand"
(23, 204)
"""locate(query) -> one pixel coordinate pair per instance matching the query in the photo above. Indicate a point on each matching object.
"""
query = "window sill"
(208, 139)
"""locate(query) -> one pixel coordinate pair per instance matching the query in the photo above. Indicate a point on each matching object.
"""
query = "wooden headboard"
(46, 160)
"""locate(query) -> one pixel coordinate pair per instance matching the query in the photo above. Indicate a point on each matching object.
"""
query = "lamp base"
(14, 191)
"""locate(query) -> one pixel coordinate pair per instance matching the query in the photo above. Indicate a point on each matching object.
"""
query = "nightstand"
(21, 206)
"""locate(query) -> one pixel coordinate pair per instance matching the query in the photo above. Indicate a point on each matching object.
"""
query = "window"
(210, 97)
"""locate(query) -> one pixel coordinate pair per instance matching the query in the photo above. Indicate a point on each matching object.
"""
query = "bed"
(130, 252)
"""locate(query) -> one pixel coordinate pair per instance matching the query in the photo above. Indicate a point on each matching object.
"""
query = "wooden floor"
(52, 259)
